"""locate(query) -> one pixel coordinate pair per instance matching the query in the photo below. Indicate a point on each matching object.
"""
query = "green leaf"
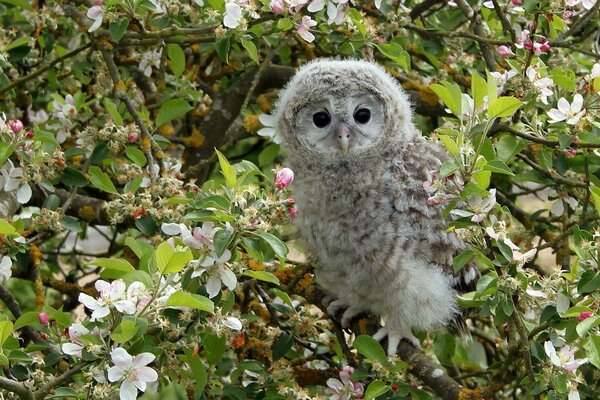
(463, 259)
(117, 29)
(478, 89)
(251, 49)
(6, 329)
(6, 149)
(595, 191)
(584, 326)
(214, 347)
(504, 106)
(6, 228)
(27, 319)
(112, 111)
(222, 47)
(498, 167)
(73, 177)
(177, 57)
(448, 168)
(125, 331)
(64, 392)
(262, 276)
(395, 52)
(222, 239)
(136, 155)
(114, 268)
(276, 244)
(376, 389)
(172, 109)
(169, 260)
(492, 89)
(196, 301)
(71, 223)
(101, 180)
(22, 41)
(450, 144)
(371, 349)
(268, 154)
(282, 345)
(285, 24)
(593, 350)
(24, 4)
(198, 370)
(228, 171)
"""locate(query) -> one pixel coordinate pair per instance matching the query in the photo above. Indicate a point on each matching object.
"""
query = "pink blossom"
(132, 137)
(344, 388)
(95, 13)
(522, 39)
(541, 47)
(504, 51)
(584, 315)
(303, 29)
(15, 125)
(43, 318)
(292, 212)
(564, 359)
(277, 6)
(570, 153)
(283, 178)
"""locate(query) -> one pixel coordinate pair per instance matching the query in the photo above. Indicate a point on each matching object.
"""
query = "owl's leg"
(335, 306)
(394, 336)
(350, 313)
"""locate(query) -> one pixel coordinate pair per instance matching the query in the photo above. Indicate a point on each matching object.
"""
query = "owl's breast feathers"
(360, 215)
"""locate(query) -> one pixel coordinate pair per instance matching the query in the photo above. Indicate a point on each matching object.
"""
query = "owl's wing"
(428, 228)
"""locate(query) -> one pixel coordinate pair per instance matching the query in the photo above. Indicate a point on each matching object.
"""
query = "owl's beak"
(343, 134)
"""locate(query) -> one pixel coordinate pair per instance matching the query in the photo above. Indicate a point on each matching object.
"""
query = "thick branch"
(41, 393)
(16, 387)
(88, 208)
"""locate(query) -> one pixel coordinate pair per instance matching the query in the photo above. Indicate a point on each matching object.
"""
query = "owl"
(360, 165)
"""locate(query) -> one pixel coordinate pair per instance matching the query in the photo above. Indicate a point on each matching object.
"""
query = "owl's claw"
(335, 306)
(394, 337)
(350, 313)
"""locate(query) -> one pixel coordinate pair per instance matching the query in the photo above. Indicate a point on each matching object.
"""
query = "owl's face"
(342, 126)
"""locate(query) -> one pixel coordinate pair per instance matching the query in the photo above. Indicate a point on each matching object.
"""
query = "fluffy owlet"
(359, 166)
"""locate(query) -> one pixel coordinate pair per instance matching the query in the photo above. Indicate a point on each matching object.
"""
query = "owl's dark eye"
(362, 115)
(321, 119)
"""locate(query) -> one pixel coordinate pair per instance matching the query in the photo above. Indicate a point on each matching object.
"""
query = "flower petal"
(121, 358)
(143, 359)
(24, 194)
(128, 391)
(115, 374)
(146, 374)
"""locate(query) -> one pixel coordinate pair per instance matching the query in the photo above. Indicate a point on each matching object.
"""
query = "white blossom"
(571, 112)
(303, 29)
(111, 294)
(269, 131)
(218, 271)
(565, 358)
(233, 15)
(11, 178)
(133, 371)
(95, 13)
(5, 268)
(150, 59)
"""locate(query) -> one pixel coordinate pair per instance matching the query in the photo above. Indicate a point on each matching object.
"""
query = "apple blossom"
(233, 15)
(269, 131)
(132, 370)
(150, 59)
(13, 179)
(565, 358)
(95, 13)
(277, 6)
(571, 112)
(344, 388)
(111, 294)
(43, 318)
(303, 29)
(504, 51)
(284, 178)
(15, 125)
(542, 85)
(218, 272)
(5, 268)
(75, 347)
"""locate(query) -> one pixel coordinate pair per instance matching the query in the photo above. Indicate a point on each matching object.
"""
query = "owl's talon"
(335, 306)
(394, 338)
(327, 300)
(350, 313)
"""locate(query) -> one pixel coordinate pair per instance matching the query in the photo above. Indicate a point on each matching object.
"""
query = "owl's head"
(343, 109)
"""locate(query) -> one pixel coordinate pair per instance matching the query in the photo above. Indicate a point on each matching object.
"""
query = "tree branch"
(16, 387)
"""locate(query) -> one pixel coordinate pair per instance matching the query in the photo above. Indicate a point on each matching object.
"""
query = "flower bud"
(292, 212)
(584, 315)
(517, 3)
(570, 153)
(277, 6)
(29, 134)
(132, 137)
(15, 125)
(43, 318)
(283, 178)
(504, 51)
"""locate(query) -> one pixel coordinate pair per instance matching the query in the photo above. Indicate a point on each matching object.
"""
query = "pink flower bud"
(132, 137)
(292, 212)
(575, 139)
(584, 315)
(291, 201)
(504, 51)
(544, 47)
(568, 14)
(15, 125)
(380, 40)
(434, 201)
(517, 3)
(570, 153)
(528, 44)
(29, 134)
(277, 6)
(283, 178)
(450, 59)
(43, 318)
